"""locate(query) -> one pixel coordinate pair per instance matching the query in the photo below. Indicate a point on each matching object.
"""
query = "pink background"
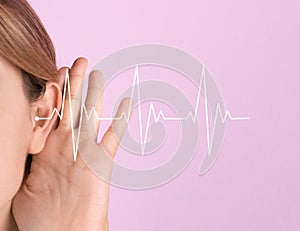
(252, 50)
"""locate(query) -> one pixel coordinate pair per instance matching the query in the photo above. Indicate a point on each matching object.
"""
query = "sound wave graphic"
(157, 115)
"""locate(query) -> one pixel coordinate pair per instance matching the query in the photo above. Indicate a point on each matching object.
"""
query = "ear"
(43, 108)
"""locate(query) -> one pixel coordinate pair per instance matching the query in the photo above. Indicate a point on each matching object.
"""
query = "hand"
(60, 193)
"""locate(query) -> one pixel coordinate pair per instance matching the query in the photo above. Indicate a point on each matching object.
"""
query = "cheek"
(15, 131)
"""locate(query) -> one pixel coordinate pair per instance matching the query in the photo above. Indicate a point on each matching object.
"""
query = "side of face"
(20, 134)
(16, 127)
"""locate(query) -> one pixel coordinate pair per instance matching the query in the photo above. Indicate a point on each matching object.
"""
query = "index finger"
(72, 93)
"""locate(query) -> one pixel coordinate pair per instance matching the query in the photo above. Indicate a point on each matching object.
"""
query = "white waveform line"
(60, 115)
(152, 112)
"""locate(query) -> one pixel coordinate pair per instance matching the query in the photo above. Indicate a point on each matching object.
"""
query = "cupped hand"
(60, 193)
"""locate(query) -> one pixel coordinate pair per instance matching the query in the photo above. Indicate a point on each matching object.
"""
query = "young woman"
(41, 187)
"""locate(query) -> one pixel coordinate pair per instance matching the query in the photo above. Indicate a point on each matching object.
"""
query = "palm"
(60, 193)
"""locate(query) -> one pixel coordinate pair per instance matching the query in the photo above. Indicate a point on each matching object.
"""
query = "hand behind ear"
(60, 194)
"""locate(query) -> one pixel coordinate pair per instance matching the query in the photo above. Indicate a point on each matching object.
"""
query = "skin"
(58, 194)
(15, 122)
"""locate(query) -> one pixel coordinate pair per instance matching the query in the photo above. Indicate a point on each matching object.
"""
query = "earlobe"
(37, 142)
(43, 109)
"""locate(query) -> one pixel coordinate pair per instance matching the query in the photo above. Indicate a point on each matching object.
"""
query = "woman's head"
(28, 76)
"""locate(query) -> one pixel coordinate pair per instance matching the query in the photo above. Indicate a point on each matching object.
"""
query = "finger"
(93, 103)
(72, 93)
(112, 137)
(61, 80)
(62, 76)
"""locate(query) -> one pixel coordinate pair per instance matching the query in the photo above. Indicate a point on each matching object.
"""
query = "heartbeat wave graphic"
(152, 113)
